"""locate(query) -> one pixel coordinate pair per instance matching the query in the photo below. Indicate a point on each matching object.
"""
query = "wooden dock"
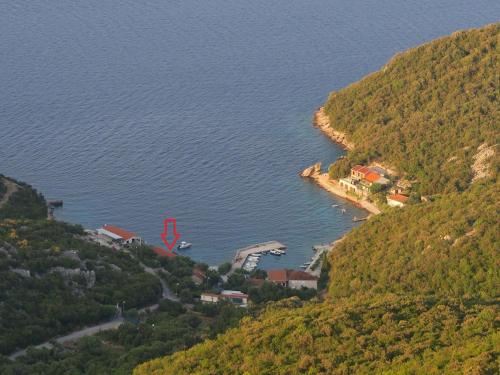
(242, 254)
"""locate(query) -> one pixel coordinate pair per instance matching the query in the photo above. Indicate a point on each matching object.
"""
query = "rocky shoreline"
(322, 122)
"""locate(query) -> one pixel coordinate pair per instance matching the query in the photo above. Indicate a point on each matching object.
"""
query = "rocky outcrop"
(482, 166)
(322, 122)
(312, 171)
(68, 274)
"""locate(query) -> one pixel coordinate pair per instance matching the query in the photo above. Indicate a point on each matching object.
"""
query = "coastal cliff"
(322, 121)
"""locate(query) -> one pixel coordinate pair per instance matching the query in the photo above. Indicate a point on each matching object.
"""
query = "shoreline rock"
(311, 171)
(322, 122)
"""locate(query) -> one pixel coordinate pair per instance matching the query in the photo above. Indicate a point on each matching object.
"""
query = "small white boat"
(184, 245)
(303, 266)
(335, 205)
(277, 252)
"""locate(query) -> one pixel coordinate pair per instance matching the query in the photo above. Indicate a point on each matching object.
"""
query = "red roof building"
(372, 177)
(292, 278)
(278, 276)
(164, 253)
(397, 200)
(359, 171)
(112, 233)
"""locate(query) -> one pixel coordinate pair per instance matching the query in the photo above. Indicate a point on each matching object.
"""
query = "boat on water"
(335, 205)
(278, 252)
(184, 245)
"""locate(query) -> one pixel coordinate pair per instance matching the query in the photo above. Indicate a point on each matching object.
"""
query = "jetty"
(260, 248)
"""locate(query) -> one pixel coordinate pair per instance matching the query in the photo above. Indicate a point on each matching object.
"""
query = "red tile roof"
(398, 198)
(277, 276)
(163, 253)
(300, 275)
(283, 275)
(362, 169)
(372, 176)
(119, 232)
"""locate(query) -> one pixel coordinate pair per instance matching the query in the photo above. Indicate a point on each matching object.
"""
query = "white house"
(209, 297)
(112, 234)
(396, 200)
(234, 296)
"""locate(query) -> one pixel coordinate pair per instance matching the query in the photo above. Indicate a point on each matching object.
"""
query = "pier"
(260, 248)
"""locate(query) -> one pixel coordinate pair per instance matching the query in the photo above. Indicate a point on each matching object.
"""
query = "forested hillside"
(51, 282)
(427, 111)
(414, 290)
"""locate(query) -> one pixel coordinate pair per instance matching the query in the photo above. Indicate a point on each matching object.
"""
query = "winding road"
(112, 324)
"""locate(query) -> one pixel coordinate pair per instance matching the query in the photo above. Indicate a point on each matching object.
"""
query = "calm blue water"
(131, 111)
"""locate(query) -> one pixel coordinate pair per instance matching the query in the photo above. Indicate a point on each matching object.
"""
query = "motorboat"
(184, 245)
(277, 252)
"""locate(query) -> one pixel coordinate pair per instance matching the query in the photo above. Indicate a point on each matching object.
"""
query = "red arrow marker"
(164, 235)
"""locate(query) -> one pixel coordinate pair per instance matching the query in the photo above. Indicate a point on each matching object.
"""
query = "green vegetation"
(25, 203)
(51, 282)
(391, 335)
(426, 112)
(414, 290)
(117, 352)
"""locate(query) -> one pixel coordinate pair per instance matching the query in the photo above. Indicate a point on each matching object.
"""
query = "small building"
(278, 277)
(164, 253)
(362, 178)
(116, 235)
(396, 200)
(234, 296)
(292, 279)
(209, 297)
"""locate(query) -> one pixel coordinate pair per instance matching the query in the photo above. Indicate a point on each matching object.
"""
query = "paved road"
(88, 331)
(166, 292)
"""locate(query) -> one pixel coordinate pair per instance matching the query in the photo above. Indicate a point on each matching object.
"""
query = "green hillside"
(427, 111)
(413, 290)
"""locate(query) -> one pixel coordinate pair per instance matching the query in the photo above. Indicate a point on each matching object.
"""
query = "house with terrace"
(363, 178)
